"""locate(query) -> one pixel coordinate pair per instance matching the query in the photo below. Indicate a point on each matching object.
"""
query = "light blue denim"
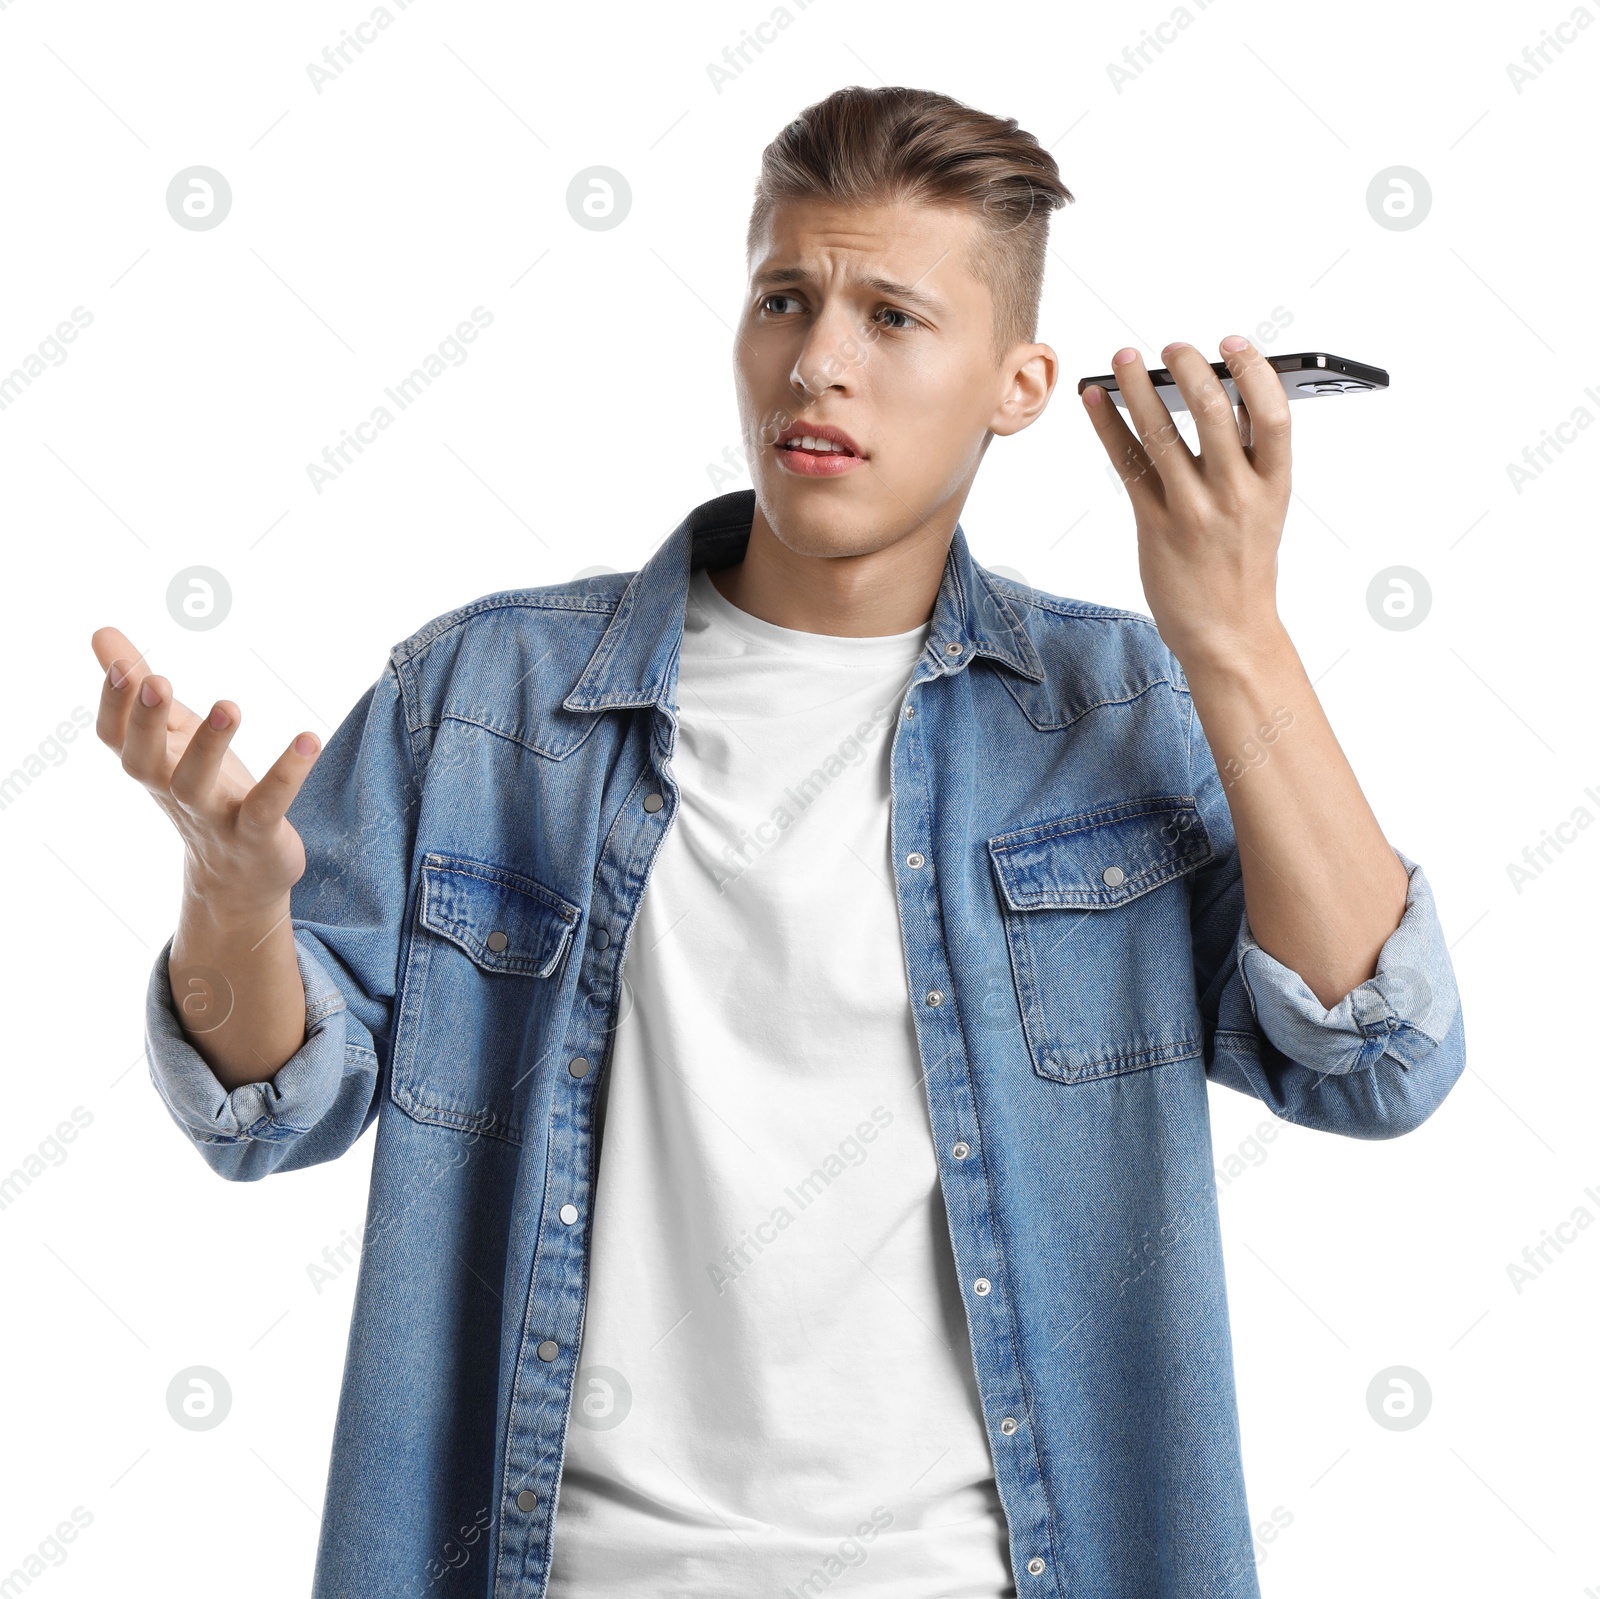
(479, 832)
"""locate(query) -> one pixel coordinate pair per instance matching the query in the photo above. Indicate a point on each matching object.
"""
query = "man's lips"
(806, 463)
(817, 449)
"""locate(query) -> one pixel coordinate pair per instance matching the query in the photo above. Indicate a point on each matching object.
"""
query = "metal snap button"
(569, 1214)
(1035, 1566)
(653, 802)
(911, 711)
(527, 1499)
(952, 648)
(579, 1067)
(961, 1150)
(601, 938)
(1009, 1425)
(935, 997)
(549, 1349)
(981, 1286)
(1113, 876)
(497, 941)
(916, 859)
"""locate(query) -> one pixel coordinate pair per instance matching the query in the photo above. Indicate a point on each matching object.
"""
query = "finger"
(194, 778)
(1261, 393)
(1209, 405)
(266, 804)
(109, 644)
(1158, 433)
(146, 753)
(118, 698)
(114, 649)
(1127, 455)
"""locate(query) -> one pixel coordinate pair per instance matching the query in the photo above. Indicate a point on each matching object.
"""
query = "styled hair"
(887, 146)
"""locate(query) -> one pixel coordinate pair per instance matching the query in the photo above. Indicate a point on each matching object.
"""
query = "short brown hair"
(874, 146)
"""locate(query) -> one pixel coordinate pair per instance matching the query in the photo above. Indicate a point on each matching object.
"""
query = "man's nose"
(830, 355)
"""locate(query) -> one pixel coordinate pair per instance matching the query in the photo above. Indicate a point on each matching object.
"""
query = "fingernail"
(147, 694)
(117, 676)
(1233, 344)
(1177, 344)
(1123, 356)
(1091, 395)
(218, 717)
(305, 745)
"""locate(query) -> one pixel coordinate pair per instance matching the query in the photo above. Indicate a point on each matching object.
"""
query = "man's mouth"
(823, 446)
(817, 450)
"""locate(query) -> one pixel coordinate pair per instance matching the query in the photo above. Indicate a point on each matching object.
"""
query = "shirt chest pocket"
(489, 942)
(1096, 914)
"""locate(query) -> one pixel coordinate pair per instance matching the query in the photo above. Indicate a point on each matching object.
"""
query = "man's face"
(869, 320)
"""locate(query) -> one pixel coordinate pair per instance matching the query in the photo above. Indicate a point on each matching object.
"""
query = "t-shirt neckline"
(839, 646)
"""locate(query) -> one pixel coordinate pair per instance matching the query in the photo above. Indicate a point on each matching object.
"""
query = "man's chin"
(824, 518)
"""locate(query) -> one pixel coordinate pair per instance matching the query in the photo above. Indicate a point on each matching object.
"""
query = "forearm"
(1323, 888)
(236, 987)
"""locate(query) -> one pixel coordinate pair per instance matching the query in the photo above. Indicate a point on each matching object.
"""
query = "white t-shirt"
(775, 1380)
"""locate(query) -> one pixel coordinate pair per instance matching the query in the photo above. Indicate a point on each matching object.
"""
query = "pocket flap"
(1100, 858)
(506, 922)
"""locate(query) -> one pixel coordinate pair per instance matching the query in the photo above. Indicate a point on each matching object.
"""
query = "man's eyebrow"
(897, 291)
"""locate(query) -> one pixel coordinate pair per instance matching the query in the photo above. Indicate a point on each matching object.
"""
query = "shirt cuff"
(1406, 1009)
(298, 1094)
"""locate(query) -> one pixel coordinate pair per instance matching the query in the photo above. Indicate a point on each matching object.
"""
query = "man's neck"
(884, 591)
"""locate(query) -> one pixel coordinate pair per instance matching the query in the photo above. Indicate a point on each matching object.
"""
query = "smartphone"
(1303, 376)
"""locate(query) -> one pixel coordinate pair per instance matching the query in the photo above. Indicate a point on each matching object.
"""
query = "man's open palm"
(241, 850)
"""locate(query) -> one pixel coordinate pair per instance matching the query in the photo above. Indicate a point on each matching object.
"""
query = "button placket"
(613, 901)
(951, 1103)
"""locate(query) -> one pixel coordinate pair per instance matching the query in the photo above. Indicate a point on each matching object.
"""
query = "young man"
(886, 917)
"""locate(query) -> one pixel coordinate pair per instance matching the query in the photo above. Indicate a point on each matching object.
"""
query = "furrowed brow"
(784, 277)
(904, 291)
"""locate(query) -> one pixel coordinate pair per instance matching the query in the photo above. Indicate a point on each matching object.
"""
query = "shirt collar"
(636, 660)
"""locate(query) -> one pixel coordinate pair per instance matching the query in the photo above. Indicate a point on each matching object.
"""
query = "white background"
(1228, 179)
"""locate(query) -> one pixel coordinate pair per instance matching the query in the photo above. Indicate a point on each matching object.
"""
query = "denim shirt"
(479, 832)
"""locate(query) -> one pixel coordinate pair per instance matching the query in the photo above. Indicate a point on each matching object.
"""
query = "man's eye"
(906, 321)
(767, 299)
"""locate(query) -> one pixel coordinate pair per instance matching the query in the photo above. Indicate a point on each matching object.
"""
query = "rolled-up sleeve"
(1376, 1064)
(356, 815)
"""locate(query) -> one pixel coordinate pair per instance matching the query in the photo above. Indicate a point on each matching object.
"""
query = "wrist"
(229, 907)
(1234, 654)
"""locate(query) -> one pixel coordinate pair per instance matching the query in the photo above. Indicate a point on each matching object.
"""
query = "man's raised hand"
(242, 854)
(1208, 524)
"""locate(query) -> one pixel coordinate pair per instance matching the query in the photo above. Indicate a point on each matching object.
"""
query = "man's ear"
(1030, 372)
